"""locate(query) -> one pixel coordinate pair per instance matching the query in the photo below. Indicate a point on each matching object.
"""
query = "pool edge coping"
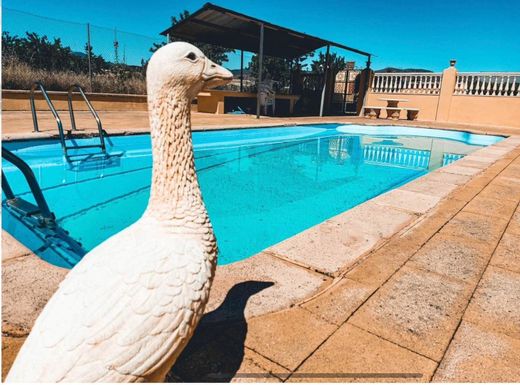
(489, 154)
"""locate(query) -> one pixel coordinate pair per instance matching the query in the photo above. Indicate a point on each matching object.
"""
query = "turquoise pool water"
(260, 186)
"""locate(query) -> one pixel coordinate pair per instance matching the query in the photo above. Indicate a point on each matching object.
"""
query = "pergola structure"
(224, 27)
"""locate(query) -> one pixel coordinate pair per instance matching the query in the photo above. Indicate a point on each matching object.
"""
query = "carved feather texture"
(116, 319)
(128, 308)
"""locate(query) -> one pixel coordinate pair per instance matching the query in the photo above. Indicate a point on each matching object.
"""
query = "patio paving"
(428, 293)
(439, 311)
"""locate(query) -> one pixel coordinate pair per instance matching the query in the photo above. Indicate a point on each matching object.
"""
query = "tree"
(41, 53)
(337, 63)
(215, 53)
(277, 69)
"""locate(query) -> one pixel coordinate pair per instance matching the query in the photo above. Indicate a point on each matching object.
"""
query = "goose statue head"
(183, 67)
(126, 311)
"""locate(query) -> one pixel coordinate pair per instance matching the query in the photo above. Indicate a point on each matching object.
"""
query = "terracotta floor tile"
(338, 303)
(507, 254)
(496, 302)
(479, 355)
(415, 309)
(10, 348)
(255, 368)
(514, 224)
(474, 226)
(483, 205)
(380, 265)
(502, 192)
(287, 337)
(454, 257)
(211, 354)
(352, 351)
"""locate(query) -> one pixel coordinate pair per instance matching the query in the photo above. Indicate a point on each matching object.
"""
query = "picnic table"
(392, 107)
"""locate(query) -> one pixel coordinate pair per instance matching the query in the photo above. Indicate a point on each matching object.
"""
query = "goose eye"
(191, 56)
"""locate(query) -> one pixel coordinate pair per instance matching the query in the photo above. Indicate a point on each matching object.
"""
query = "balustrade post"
(448, 83)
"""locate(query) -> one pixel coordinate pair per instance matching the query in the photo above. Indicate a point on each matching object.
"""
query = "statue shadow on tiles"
(216, 350)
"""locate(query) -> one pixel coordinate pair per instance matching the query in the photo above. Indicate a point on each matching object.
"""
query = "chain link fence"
(61, 53)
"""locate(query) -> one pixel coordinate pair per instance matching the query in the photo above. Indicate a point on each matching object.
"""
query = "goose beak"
(215, 75)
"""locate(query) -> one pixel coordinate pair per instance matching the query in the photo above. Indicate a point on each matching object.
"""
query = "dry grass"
(20, 76)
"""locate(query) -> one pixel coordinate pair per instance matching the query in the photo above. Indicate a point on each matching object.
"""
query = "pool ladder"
(64, 146)
(40, 213)
(38, 217)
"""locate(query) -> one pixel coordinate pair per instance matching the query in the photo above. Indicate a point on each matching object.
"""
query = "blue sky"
(483, 35)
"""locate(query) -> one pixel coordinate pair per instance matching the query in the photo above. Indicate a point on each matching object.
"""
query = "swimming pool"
(260, 185)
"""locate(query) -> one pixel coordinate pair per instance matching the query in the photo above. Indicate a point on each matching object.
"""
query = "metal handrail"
(51, 107)
(92, 111)
(28, 173)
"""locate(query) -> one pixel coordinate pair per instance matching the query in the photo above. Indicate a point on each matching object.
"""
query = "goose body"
(125, 312)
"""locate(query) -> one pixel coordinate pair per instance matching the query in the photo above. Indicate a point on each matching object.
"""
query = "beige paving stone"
(337, 243)
(480, 355)
(514, 224)
(326, 247)
(287, 337)
(507, 254)
(12, 248)
(217, 353)
(415, 309)
(430, 187)
(496, 302)
(472, 188)
(383, 220)
(249, 371)
(492, 151)
(449, 178)
(352, 354)
(507, 180)
(339, 302)
(483, 205)
(502, 192)
(454, 257)
(476, 158)
(475, 226)
(10, 348)
(475, 162)
(259, 285)
(269, 370)
(444, 210)
(407, 200)
(460, 170)
(380, 265)
(27, 284)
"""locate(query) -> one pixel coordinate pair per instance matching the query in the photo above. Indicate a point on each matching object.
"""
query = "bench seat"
(372, 112)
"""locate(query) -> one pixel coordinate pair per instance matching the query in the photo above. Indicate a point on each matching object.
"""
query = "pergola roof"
(220, 26)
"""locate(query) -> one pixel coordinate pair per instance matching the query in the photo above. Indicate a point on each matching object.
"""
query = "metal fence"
(114, 63)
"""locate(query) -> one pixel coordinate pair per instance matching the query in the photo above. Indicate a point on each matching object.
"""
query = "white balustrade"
(407, 83)
(488, 84)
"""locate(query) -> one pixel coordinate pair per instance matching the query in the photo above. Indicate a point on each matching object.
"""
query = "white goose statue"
(125, 312)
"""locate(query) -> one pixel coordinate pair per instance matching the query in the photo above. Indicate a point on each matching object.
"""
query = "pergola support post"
(241, 70)
(366, 85)
(325, 79)
(260, 60)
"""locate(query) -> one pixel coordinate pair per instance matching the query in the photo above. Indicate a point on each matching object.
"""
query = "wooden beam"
(325, 79)
(241, 70)
(260, 60)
